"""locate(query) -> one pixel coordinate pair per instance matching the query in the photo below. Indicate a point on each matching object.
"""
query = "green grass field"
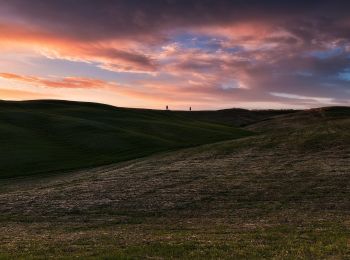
(47, 136)
(281, 193)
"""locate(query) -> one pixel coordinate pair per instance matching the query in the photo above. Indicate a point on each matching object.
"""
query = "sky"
(207, 54)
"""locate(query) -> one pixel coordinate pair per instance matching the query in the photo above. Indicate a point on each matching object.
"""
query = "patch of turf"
(47, 136)
(321, 241)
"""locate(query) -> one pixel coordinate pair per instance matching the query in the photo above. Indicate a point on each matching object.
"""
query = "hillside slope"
(46, 136)
(236, 116)
(281, 194)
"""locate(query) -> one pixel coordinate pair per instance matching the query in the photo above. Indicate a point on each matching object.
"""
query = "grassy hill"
(236, 116)
(47, 136)
(282, 193)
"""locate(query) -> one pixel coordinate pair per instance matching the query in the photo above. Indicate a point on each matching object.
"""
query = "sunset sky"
(208, 54)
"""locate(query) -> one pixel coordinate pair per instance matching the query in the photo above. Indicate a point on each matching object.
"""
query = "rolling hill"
(282, 193)
(47, 136)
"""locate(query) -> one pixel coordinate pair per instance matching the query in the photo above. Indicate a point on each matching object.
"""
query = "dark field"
(280, 192)
(41, 137)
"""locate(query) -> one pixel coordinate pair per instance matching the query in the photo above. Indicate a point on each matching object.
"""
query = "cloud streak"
(68, 82)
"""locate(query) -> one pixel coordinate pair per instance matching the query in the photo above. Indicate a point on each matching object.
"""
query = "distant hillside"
(305, 118)
(45, 136)
(235, 116)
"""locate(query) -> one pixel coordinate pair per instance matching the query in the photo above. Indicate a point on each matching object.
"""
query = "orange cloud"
(16, 94)
(68, 82)
(121, 55)
(166, 92)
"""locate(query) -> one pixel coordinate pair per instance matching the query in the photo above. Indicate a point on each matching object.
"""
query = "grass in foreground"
(180, 241)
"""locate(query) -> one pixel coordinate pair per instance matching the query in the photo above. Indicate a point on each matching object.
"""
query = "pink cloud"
(68, 82)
